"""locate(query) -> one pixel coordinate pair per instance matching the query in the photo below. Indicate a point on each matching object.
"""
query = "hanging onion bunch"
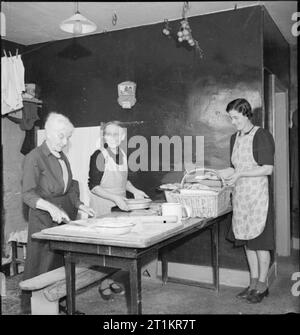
(184, 33)
(167, 29)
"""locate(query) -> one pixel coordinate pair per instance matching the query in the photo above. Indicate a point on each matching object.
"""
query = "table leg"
(215, 254)
(135, 288)
(14, 256)
(164, 265)
(70, 285)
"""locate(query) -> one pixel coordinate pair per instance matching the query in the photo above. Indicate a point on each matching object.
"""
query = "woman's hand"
(58, 215)
(226, 173)
(88, 210)
(139, 194)
(232, 179)
(120, 202)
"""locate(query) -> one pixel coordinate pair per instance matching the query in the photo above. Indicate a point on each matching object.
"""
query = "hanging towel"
(12, 84)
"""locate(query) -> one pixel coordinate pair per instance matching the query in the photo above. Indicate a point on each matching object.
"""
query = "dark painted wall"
(12, 47)
(177, 92)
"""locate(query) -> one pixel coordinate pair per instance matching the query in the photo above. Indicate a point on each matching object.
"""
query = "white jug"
(174, 208)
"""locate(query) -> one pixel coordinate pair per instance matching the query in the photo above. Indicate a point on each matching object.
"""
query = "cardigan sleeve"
(232, 140)
(96, 170)
(30, 180)
(263, 147)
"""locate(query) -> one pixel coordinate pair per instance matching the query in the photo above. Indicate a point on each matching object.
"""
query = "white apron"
(114, 180)
(250, 197)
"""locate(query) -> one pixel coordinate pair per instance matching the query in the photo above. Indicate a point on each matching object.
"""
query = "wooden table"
(129, 258)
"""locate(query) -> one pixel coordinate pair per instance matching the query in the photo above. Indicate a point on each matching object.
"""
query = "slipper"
(105, 293)
(117, 289)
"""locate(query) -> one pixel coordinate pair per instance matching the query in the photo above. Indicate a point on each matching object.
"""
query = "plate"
(113, 228)
(138, 201)
(134, 204)
(133, 207)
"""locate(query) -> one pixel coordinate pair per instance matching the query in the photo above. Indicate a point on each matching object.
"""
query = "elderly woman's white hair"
(56, 120)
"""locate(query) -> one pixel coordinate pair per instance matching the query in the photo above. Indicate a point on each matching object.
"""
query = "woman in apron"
(108, 182)
(252, 158)
(51, 194)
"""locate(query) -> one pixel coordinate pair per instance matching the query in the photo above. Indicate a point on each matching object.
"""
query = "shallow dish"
(134, 204)
(113, 228)
(138, 201)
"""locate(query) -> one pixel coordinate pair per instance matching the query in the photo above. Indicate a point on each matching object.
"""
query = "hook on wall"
(114, 19)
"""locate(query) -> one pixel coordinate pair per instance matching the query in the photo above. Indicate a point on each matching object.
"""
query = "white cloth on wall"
(12, 84)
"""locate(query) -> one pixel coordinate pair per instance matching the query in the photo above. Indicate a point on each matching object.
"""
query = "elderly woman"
(50, 192)
(108, 173)
(108, 182)
(252, 156)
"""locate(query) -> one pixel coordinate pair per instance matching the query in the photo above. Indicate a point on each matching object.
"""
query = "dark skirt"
(39, 257)
(265, 241)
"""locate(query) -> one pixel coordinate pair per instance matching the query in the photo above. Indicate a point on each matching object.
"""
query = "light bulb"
(77, 27)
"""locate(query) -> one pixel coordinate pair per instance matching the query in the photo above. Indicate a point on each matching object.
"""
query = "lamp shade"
(78, 24)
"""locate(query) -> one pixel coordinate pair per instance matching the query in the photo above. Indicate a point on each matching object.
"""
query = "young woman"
(252, 158)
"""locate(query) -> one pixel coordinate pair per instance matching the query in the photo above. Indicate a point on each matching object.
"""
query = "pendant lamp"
(78, 24)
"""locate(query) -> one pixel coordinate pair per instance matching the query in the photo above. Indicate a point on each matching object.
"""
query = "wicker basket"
(206, 205)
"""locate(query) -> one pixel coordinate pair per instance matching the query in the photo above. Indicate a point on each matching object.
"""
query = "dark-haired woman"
(108, 182)
(252, 158)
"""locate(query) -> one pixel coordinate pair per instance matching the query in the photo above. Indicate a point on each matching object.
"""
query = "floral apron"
(250, 197)
(114, 180)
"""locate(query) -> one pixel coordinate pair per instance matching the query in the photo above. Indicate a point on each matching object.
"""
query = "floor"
(180, 299)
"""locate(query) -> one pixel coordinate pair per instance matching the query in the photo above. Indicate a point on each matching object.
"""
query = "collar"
(46, 151)
(248, 132)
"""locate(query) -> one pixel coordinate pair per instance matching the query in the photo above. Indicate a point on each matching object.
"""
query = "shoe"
(105, 293)
(117, 289)
(245, 293)
(79, 313)
(257, 297)
(63, 309)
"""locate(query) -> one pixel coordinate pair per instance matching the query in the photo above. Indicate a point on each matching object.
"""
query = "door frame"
(281, 167)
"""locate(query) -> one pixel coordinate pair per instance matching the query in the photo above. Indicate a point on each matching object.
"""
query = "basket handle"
(202, 169)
